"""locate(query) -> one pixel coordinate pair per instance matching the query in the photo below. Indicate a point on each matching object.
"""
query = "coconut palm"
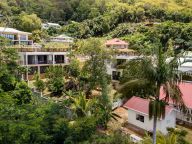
(148, 77)
(82, 106)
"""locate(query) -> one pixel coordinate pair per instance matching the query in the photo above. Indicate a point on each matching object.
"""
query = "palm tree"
(81, 105)
(148, 77)
(162, 139)
(105, 113)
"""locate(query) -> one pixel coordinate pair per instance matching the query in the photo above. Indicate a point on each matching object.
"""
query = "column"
(19, 39)
(27, 76)
(66, 59)
(38, 70)
(53, 59)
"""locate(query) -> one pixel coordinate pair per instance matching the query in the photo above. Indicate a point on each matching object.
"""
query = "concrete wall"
(162, 125)
(110, 67)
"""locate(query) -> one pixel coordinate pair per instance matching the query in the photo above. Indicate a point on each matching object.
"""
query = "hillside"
(105, 18)
(79, 10)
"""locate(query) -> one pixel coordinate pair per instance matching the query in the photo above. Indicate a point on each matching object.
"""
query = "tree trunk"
(155, 115)
(154, 129)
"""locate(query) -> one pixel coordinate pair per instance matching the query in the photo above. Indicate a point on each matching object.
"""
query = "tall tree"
(27, 22)
(95, 66)
(39, 84)
(55, 76)
(155, 73)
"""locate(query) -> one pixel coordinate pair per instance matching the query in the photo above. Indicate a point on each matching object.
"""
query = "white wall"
(50, 54)
(169, 121)
(110, 69)
(162, 125)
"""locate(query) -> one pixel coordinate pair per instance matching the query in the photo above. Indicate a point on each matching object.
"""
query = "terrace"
(34, 60)
(32, 48)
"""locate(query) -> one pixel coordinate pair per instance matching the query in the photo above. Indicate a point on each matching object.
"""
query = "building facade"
(16, 37)
(183, 115)
(34, 59)
(40, 61)
(138, 116)
(50, 25)
(62, 39)
(122, 55)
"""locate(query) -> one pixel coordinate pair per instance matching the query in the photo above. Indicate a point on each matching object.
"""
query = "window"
(23, 37)
(9, 36)
(116, 75)
(140, 118)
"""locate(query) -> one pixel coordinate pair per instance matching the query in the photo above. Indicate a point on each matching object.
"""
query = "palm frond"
(173, 93)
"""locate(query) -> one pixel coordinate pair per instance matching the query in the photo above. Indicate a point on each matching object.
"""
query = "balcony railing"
(59, 61)
(31, 48)
(42, 62)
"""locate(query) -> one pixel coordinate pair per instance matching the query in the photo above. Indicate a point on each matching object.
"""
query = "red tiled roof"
(116, 42)
(186, 90)
(141, 105)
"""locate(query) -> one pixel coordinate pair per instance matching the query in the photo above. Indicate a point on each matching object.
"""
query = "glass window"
(140, 118)
(23, 37)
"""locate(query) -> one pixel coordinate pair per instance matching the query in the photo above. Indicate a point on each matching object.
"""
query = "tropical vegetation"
(155, 29)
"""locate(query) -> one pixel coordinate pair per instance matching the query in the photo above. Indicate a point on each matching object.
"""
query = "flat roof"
(12, 30)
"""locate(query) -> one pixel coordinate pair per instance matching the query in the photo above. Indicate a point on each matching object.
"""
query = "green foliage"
(157, 74)
(19, 124)
(82, 129)
(124, 29)
(73, 69)
(115, 138)
(181, 134)
(52, 31)
(56, 86)
(85, 18)
(3, 41)
(7, 82)
(39, 84)
(39, 35)
(81, 105)
(27, 22)
(55, 82)
(95, 67)
(174, 136)
(22, 93)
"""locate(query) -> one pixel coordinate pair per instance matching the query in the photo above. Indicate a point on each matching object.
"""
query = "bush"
(82, 129)
(22, 93)
(56, 86)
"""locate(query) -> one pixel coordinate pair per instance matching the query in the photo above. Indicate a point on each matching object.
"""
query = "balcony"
(32, 49)
(22, 42)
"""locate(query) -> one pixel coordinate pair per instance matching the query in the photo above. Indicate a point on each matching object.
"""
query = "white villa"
(17, 37)
(35, 59)
(186, 63)
(62, 39)
(138, 116)
(49, 25)
(122, 55)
